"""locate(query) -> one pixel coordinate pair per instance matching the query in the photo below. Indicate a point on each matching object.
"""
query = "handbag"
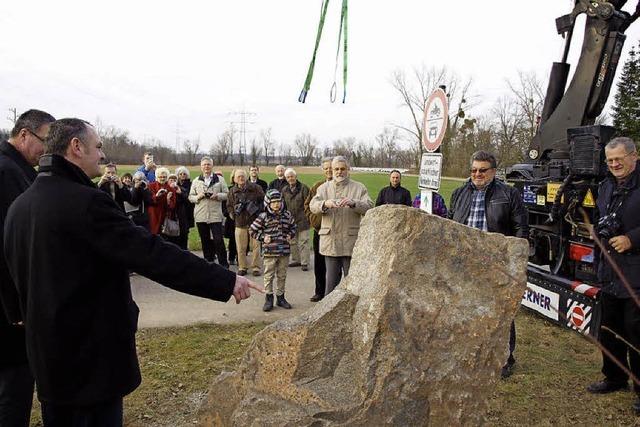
(171, 227)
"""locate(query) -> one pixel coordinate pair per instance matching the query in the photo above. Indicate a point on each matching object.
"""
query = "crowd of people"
(63, 236)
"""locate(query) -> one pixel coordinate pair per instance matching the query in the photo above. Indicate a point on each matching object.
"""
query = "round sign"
(436, 115)
(577, 316)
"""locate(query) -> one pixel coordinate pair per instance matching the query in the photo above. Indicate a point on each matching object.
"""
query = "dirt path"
(163, 307)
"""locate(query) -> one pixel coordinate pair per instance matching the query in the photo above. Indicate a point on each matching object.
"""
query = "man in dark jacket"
(394, 194)
(64, 240)
(255, 178)
(244, 203)
(18, 156)
(279, 181)
(619, 194)
(315, 220)
(111, 184)
(488, 204)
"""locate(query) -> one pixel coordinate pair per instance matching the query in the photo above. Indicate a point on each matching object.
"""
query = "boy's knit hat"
(272, 195)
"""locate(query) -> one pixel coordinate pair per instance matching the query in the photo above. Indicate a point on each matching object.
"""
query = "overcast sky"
(179, 69)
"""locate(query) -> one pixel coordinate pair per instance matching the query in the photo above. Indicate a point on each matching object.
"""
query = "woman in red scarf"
(163, 200)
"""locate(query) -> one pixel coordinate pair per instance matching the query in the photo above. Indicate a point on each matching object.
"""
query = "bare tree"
(255, 152)
(414, 93)
(284, 153)
(529, 97)
(343, 147)
(223, 148)
(387, 146)
(267, 143)
(190, 149)
(305, 148)
(13, 117)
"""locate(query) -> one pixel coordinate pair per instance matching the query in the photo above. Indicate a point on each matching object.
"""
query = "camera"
(143, 185)
(608, 226)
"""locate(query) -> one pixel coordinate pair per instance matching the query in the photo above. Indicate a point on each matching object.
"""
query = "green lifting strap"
(343, 28)
(307, 82)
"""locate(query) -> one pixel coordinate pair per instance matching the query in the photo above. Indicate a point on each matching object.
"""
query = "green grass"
(554, 366)
(373, 181)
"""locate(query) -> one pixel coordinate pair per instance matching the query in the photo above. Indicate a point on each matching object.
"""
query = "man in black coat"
(111, 184)
(394, 194)
(488, 204)
(18, 156)
(280, 181)
(255, 179)
(64, 240)
(619, 195)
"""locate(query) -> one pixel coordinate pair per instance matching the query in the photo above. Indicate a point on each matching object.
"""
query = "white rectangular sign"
(541, 300)
(430, 171)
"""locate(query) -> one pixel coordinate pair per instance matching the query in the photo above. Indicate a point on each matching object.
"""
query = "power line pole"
(243, 122)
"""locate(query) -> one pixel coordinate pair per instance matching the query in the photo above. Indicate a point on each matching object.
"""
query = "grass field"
(309, 176)
(547, 388)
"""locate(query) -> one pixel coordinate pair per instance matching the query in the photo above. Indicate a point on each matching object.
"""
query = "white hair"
(290, 171)
(181, 169)
(340, 159)
(240, 172)
(162, 171)
(140, 175)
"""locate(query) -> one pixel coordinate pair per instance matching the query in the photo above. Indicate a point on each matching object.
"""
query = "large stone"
(415, 335)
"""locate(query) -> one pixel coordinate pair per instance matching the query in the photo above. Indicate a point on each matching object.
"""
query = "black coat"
(629, 215)
(277, 184)
(394, 196)
(122, 194)
(16, 175)
(140, 197)
(262, 183)
(185, 187)
(504, 209)
(70, 248)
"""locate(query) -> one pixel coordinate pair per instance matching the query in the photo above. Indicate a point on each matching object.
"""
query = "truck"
(564, 164)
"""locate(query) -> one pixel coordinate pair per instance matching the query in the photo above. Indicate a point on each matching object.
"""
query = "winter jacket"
(245, 204)
(119, 194)
(208, 210)
(16, 175)
(71, 249)
(278, 184)
(390, 195)
(340, 226)
(504, 210)
(315, 220)
(628, 261)
(160, 206)
(294, 201)
(279, 227)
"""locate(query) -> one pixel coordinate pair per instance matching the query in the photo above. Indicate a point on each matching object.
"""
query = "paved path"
(162, 307)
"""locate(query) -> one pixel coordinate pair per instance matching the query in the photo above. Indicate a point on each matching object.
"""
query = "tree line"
(506, 128)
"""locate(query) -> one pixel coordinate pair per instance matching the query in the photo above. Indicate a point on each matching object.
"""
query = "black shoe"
(268, 302)
(315, 298)
(282, 302)
(231, 262)
(242, 272)
(294, 264)
(256, 273)
(507, 369)
(305, 268)
(605, 386)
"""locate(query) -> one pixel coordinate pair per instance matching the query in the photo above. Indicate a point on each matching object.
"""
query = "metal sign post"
(429, 180)
(436, 116)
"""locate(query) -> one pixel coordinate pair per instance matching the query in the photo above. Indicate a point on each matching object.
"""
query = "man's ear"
(76, 148)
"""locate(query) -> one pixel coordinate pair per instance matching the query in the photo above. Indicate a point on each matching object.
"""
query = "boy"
(274, 228)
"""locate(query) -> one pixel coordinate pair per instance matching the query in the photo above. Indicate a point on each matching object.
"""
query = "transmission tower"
(243, 121)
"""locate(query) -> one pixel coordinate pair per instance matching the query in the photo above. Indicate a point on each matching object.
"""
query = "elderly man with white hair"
(294, 194)
(342, 202)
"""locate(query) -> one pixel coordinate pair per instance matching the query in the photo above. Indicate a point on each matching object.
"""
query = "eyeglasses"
(36, 135)
(618, 159)
(481, 170)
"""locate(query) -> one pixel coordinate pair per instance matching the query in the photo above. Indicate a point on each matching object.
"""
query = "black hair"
(31, 120)
(62, 132)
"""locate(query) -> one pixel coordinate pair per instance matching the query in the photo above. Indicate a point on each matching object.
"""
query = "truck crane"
(563, 166)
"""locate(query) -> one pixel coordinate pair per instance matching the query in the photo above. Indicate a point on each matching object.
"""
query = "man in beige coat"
(342, 202)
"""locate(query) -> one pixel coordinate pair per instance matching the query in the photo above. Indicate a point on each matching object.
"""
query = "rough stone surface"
(415, 335)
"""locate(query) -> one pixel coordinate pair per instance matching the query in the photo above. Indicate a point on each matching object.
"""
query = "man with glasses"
(342, 202)
(18, 156)
(618, 229)
(488, 204)
(69, 249)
